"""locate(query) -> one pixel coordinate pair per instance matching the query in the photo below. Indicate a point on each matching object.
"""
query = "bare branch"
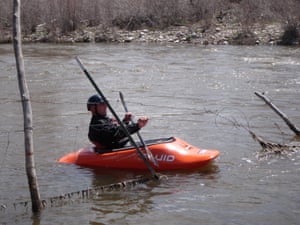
(281, 114)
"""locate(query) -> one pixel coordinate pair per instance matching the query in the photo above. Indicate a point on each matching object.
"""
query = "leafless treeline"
(68, 15)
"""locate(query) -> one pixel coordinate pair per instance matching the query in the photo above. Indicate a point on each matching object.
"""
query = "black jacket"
(109, 134)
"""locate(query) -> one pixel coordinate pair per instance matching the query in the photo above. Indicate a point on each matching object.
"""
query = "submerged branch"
(268, 148)
(274, 148)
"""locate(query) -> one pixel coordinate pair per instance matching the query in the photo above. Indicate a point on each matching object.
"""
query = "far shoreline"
(219, 34)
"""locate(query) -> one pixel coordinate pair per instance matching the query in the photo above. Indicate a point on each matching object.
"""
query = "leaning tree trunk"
(27, 112)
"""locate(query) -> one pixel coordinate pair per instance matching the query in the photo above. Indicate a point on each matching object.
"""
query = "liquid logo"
(165, 158)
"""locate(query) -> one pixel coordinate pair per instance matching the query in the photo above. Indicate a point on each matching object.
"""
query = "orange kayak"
(171, 154)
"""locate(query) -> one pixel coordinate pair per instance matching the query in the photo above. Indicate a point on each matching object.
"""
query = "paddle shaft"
(118, 119)
(149, 153)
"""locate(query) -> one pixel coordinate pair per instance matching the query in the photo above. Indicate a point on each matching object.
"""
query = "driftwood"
(270, 148)
(293, 127)
(275, 148)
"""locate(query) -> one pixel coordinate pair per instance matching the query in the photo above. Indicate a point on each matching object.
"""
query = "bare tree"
(27, 112)
(67, 15)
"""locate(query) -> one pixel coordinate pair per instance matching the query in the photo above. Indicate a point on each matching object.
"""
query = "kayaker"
(104, 132)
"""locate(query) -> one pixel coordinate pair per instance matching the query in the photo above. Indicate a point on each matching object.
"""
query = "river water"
(192, 92)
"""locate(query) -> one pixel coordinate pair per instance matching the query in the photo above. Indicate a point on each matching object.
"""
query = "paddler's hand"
(128, 117)
(114, 120)
(142, 121)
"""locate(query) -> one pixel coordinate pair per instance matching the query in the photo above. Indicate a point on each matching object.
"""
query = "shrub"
(291, 34)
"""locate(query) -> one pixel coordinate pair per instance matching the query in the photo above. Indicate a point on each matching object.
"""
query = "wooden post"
(27, 112)
(293, 127)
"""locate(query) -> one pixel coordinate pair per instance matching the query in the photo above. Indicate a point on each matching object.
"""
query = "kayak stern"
(70, 158)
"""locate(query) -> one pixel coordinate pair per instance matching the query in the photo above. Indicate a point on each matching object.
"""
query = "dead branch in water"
(269, 148)
(293, 127)
(275, 148)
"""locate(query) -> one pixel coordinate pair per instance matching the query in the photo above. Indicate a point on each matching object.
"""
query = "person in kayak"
(104, 132)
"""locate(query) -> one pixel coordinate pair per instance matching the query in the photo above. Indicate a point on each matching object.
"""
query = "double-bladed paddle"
(147, 163)
(149, 153)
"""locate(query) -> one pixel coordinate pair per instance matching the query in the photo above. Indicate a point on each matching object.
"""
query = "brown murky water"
(186, 91)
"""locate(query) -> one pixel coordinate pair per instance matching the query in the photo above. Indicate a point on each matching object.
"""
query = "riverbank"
(218, 34)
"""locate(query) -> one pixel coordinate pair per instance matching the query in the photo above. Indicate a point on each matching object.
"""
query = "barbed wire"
(135, 103)
(68, 198)
(233, 120)
(43, 101)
